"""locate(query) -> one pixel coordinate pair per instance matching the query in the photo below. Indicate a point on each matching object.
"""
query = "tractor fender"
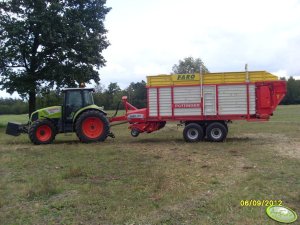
(90, 107)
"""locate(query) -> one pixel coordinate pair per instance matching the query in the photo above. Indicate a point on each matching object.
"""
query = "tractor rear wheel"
(42, 132)
(91, 126)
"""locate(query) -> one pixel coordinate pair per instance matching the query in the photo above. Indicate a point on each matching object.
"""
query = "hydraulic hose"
(116, 110)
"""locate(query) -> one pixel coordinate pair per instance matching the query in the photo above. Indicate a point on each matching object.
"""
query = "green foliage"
(110, 97)
(293, 92)
(113, 90)
(13, 106)
(50, 43)
(189, 65)
(49, 98)
(137, 94)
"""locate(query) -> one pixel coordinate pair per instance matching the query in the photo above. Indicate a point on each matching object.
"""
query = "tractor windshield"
(88, 98)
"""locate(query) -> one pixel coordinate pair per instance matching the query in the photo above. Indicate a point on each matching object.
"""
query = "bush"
(13, 106)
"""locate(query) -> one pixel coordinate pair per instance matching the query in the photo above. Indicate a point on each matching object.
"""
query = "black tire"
(42, 132)
(162, 125)
(134, 133)
(87, 124)
(226, 126)
(193, 133)
(216, 132)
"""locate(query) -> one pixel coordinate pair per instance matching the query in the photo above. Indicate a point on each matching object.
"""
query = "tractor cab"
(74, 100)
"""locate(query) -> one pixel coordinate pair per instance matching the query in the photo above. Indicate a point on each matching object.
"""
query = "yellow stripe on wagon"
(209, 78)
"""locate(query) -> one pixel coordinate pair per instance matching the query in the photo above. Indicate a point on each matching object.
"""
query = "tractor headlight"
(34, 116)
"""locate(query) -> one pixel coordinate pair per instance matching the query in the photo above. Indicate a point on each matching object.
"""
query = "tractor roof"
(78, 89)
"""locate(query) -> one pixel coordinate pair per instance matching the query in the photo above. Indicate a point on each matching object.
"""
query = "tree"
(111, 92)
(137, 94)
(12, 106)
(99, 88)
(293, 92)
(50, 43)
(49, 98)
(189, 65)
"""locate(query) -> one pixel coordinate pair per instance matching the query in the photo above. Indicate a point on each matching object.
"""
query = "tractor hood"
(53, 112)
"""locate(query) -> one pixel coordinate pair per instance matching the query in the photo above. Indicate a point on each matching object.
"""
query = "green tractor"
(77, 114)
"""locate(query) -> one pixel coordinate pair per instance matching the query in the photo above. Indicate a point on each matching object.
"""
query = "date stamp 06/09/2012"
(263, 203)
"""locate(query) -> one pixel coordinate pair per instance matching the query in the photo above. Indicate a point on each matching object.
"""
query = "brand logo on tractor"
(186, 77)
(53, 110)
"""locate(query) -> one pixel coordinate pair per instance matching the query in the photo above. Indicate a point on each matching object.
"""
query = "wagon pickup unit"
(203, 103)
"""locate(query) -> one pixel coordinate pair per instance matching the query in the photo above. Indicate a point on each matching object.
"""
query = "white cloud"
(148, 37)
(4, 94)
(281, 73)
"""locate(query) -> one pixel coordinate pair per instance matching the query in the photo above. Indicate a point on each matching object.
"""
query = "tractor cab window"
(73, 103)
(88, 98)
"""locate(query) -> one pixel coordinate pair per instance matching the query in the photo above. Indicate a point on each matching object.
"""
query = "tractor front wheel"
(92, 126)
(42, 132)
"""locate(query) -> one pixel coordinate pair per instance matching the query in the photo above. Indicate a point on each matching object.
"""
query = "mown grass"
(23, 118)
(153, 179)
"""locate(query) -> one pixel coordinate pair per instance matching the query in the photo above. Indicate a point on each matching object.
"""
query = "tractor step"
(111, 134)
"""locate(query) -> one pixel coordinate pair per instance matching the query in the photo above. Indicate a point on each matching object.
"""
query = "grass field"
(153, 179)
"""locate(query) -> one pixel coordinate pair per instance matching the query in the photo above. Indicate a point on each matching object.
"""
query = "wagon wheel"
(193, 132)
(134, 132)
(216, 132)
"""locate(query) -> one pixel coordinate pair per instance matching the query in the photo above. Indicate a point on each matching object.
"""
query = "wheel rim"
(192, 133)
(43, 133)
(216, 133)
(92, 127)
(134, 132)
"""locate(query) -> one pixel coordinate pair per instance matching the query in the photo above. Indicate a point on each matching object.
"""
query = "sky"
(149, 37)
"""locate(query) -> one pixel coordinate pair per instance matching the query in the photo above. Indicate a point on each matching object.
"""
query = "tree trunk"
(31, 102)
